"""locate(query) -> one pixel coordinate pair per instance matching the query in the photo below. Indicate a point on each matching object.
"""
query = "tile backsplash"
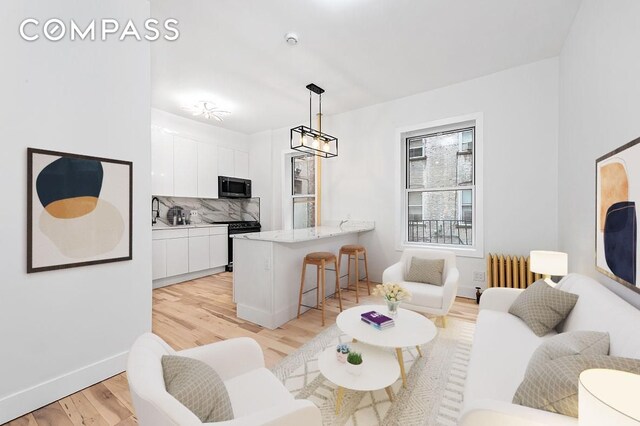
(212, 209)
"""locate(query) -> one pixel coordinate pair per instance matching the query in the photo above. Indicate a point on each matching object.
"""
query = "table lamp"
(608, 397)
(548, 263)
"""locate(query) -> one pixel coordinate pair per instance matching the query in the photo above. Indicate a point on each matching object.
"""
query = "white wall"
(201, 132)
(599, 92)
(520, 108)
(64, 330)
(261, 175)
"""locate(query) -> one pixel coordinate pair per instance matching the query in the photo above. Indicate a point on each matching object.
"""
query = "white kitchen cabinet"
(226, 163)
(198, 249)
(159, 259)
(161, 162)
(177, 250)
(185, 167)
(207, 171)
(218, 247)
(241, 164)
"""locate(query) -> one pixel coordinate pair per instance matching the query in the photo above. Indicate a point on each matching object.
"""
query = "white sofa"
(503, 345)
(256, 395)
(425, 298)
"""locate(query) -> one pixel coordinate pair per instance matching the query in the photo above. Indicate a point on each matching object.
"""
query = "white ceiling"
(361, 52)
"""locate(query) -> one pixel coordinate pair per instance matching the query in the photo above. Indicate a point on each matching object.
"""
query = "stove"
(239, 227)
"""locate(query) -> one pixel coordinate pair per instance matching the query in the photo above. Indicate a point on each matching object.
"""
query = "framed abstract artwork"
(617, 195)
(79, 210)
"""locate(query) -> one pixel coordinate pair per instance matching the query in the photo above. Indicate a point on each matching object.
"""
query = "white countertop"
(308, 234)
(162, 226)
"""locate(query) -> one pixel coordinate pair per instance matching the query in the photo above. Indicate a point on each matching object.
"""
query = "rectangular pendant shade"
(310, 141)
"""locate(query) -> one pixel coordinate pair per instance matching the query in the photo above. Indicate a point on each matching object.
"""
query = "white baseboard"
(27, 400)
(162, 282)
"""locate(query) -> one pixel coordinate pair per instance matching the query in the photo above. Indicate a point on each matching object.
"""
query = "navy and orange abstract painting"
(617, 194)
(79, 210)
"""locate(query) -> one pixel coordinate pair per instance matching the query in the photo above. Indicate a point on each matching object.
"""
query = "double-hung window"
(303, 191)
(440, 186)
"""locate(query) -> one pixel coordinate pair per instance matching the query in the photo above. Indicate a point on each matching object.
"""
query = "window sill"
(461, 251)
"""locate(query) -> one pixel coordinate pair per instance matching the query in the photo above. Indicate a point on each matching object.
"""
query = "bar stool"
(319, 259)
(355, 250)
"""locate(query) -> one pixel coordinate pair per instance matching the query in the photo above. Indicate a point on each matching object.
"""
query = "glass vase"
(392, 308)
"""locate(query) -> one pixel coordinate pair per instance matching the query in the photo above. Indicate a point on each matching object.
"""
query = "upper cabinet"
(225, 162)
(161, 162)
(207, 171)
(185, 167)
(241, 164)
(182, 167)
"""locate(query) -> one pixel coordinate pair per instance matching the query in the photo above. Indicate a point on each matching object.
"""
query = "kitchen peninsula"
(268, 265)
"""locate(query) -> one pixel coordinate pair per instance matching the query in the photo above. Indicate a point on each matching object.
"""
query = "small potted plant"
(354, 363)
(342, 350)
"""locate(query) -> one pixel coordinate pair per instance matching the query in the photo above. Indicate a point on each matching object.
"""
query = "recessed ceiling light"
(207, 109)
(291, 39)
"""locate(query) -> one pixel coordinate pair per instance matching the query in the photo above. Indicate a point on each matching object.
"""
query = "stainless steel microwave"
(230, 187)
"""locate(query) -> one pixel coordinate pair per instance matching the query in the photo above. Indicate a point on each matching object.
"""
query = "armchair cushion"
(427, 271)
(542, 307)
(255, 391)
(198, 387)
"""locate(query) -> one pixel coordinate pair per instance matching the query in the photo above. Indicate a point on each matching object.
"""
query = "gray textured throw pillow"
(198, 387)
(428, 271)
(566, 344)
(542, 307)
(554, 388)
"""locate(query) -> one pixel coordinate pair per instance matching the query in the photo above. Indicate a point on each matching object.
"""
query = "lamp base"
(548, 280)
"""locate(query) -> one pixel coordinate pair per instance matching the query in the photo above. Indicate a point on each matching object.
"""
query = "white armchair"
(257, 396)
(426, 298)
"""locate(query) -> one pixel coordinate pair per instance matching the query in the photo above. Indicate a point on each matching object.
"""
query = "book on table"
(377, 320)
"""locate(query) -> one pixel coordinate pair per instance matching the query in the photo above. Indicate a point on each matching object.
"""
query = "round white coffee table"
(411, 329)
(379, 370)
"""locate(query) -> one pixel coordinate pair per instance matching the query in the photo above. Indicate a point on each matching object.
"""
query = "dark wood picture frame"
(30, 177)
(597, 207)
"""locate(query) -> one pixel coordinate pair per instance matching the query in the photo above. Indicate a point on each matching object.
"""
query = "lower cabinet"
(180, 251)
(218, 250)
(177, 256)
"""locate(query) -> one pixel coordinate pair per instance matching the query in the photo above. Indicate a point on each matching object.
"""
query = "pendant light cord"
(310, 121)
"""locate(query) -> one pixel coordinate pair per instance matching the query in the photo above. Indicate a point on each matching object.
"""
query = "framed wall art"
(79, 210)
(617, 195)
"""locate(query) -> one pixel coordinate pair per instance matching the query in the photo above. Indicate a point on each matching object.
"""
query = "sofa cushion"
(429, 296)
(542, 307)
(502, 347)
(555, 387)
(427, 271)
(198, 387)
(565, 344)
(600, 309)
(255, 391)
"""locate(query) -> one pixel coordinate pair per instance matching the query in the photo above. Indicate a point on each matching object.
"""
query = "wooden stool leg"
(366, 270)
(318, 287)
(348, 271)
(338, 286)
(304, 270)
(322, 291)
(338, 264)
(357, 277)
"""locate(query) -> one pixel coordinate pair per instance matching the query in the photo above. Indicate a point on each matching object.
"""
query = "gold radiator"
(509, 271)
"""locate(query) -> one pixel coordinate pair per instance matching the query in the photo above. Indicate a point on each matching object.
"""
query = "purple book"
(376, 318)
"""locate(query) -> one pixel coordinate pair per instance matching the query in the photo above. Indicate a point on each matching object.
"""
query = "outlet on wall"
(193, 212)
(478, 276)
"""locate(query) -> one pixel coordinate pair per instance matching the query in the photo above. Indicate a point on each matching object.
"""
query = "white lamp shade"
(608, 397)
(548, 262)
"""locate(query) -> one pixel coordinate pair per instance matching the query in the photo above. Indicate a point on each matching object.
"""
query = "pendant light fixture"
(309, 140)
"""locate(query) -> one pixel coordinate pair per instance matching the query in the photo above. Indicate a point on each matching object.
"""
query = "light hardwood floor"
(193, 314)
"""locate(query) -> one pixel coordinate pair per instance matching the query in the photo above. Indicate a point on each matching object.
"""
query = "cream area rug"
(435, 382)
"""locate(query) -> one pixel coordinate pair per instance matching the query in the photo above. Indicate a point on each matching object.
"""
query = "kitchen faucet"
(154, 218)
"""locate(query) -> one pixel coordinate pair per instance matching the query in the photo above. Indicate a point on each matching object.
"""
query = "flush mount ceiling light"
(208, 110)
(307, 139)
(291, 39)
